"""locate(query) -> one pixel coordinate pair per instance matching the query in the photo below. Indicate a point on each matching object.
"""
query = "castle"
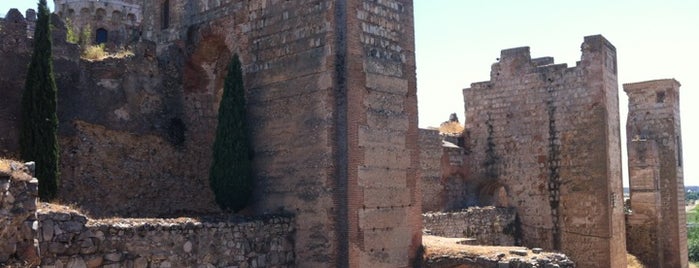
(331, 90)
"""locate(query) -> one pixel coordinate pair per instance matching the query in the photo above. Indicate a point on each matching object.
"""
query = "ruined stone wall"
(59, 236)
(120, 19)
(643, 229)
(15, 50)
(127, 148)
(487, 225)
(18, 195)
(654, 114)
(430, 170)
(69, 239)
(550, 135)
(444, 174)
(331, 94)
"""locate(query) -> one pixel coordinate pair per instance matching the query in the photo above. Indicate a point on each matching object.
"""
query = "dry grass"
(98, 53)
(453, 128)
(6, 168)
(633, 262)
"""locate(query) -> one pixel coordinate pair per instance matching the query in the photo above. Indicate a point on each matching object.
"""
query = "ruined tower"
(550, 134)
(654, 140)
(112, 22)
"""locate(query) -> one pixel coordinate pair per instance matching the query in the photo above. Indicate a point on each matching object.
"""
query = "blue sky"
(458, 40)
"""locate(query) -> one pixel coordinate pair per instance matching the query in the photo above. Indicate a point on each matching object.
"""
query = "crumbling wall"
(18, 196)
(487, 225)
(643, 229)
(70, 239)
(430, 144)
(550, 135)
(654, 115)
(331, 94)
(119, 19)
(15, 50)
(58, 236)
(444, 174)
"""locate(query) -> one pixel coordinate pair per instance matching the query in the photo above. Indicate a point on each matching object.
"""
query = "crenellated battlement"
(513, 62)
(117, 11)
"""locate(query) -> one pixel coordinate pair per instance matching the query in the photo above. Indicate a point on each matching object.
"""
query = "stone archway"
(493, 194)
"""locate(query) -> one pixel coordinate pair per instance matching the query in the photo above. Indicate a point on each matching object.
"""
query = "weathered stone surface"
(656, 231)
(136, 133)
(181, 242)
(488, 225)
(550, 135)
(18, 195)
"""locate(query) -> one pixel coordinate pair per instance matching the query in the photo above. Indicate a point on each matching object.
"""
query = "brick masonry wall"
(384, 194)
(488, 225)
(444, 170)
(430, 170)
(654, 114)
(550, 135)
(331, 91)
(643, 229)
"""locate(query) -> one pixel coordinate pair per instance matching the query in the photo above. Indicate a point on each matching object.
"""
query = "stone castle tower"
(657, 232)
(114, 22)
(557, 156)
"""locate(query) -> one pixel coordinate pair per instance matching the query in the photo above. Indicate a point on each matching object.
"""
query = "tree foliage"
(231, 172)
(38, 141)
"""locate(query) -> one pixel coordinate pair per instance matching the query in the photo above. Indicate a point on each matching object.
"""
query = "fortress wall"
(654, 115)
(384, 199)
(430, 170)
(331, 90)
(58, 236)
(643, 229)
(550, 134)
(15, 50)
(70, 239)
(444, 170)
(487, 225)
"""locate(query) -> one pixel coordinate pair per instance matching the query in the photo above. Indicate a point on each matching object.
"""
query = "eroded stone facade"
(484, 225)
(654, 138)
(331, 94)
(550, 135)
(112, 22)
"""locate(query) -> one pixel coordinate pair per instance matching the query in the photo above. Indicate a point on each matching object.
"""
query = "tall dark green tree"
(38, 139)
(231, 172)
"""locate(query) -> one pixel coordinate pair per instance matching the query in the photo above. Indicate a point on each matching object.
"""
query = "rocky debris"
(484, 225)
(446, 253)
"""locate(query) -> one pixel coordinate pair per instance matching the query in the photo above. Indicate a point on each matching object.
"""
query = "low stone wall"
(487, 225)
(57, 236)
(69, 239)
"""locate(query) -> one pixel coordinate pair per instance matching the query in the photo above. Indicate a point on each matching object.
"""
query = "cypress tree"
(230, 177)
(39, 124)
